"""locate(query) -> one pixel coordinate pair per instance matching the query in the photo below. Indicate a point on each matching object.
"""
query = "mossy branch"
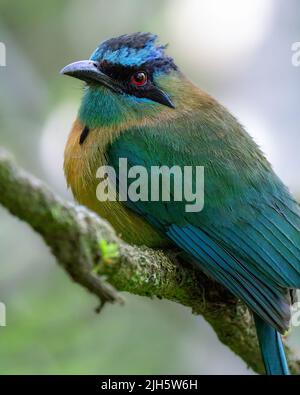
(77, 236)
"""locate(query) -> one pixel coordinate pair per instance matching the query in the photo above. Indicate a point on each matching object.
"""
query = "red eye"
(139, 79)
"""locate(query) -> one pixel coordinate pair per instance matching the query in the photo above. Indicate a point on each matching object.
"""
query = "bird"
(137, 104)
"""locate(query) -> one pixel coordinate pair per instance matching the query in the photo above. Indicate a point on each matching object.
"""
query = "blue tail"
(271, 348)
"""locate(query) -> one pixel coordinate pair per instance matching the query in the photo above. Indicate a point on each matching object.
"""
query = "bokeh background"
(239, 51)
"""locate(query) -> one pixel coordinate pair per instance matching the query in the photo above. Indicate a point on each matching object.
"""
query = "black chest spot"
(84, 135)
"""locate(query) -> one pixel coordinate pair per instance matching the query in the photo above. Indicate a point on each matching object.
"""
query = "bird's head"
(127, 74)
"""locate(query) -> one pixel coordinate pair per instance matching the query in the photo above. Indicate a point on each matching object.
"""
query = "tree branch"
(73, 233)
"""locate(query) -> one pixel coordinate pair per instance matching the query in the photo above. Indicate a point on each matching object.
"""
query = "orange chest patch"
(82, 159)
(81, 164)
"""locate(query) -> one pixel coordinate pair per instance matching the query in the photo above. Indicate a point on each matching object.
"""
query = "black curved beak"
(89, 71)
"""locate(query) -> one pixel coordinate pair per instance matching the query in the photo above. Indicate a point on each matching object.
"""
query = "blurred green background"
(239, 51)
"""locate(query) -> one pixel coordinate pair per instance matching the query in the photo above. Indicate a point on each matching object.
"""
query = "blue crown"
(130, 50)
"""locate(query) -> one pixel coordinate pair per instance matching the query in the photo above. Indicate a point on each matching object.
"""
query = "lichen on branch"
(89, 250)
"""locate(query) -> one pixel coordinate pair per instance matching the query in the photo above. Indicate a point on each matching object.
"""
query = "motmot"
(137, 104)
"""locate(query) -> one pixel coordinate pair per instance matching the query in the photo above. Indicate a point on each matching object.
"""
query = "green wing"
(247, 235)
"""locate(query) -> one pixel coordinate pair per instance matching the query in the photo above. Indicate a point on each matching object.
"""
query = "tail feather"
(271, 348)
